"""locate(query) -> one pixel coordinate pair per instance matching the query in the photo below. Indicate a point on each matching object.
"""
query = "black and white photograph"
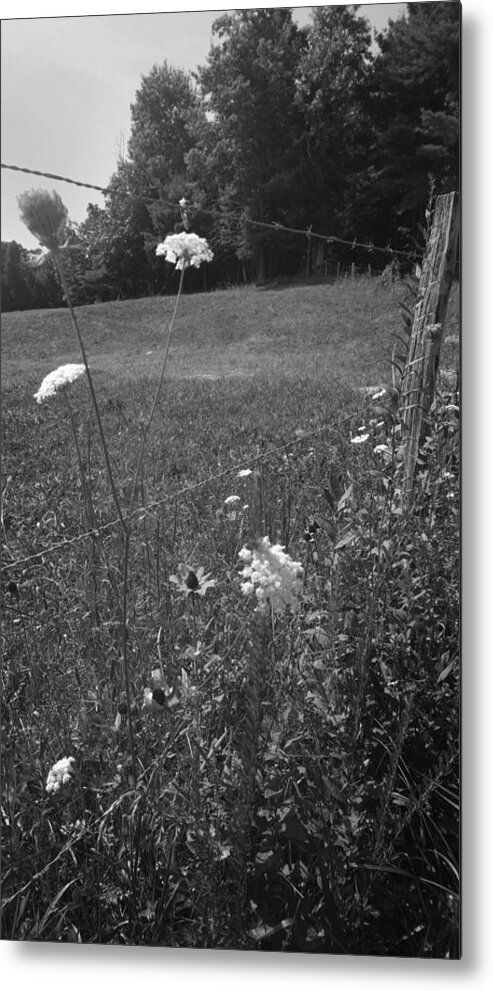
(231, 386)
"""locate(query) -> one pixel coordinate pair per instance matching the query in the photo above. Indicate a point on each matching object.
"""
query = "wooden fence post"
(421, 369)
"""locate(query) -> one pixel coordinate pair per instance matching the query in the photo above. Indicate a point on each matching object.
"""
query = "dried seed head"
(45, 215)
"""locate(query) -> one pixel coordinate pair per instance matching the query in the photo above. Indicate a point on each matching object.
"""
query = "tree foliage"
(414, 99)
(334, 75)
(312, 128)
(248, 85)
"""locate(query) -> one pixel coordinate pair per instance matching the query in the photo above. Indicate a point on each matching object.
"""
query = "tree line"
(304, 127)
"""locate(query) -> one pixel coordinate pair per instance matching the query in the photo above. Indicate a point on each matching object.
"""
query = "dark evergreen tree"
(16, 291)
(414, 103)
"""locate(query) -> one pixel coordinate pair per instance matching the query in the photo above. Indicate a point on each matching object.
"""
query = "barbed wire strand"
(272, 225)
(331, 238)
(51, 175)
(177, 496)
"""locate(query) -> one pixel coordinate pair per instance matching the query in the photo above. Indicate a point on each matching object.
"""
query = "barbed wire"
(177, 496)
(51, 175)
(240, 217)
(333, 239)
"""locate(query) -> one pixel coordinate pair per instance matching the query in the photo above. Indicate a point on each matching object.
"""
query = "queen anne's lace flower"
(272, 574)
(60, 774)
(57, 380)
(185, 249)
(360, 440)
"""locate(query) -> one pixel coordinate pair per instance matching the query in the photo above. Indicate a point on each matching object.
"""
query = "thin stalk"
(126, 672)
(88, 504)
(127, 526)
(59, 265)
(90, 517)
(147, 426)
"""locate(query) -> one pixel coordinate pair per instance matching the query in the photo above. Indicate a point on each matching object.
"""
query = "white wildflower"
(231, 499)
(272, 574)
(185, 249)
(360, 440)
(57, 380)
(381, 449)
(60, 774)
(244, 473)
(379, 395)
(190, 582)
(154, 700)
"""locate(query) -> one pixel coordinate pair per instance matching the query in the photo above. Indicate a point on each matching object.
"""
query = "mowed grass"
(340, 332)
(248, 371)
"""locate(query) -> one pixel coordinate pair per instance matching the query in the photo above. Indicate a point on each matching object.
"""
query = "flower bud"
(45, 215)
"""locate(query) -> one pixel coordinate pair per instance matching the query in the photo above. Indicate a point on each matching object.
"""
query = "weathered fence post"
(421, 369)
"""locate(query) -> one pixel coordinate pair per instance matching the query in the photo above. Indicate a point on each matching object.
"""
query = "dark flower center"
(192, 581)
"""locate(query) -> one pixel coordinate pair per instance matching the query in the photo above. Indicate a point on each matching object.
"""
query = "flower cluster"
(58, 380)
(45, 215)
(185, 249)
(60, 774)
(272, 574)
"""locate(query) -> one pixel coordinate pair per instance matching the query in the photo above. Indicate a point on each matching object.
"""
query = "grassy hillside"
(338, 331)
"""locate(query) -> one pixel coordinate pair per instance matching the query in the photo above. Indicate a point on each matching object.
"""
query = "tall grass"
(297, 789)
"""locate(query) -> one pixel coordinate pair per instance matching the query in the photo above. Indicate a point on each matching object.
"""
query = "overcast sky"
(68, 82)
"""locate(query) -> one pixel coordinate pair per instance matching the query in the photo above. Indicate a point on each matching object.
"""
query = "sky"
(67, 84)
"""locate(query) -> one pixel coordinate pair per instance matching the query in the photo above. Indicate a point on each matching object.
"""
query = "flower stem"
(59, 265)
(126, 672)
(125, 527)
(147, 426)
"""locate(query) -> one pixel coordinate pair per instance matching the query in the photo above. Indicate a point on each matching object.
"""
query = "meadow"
(281, 781)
